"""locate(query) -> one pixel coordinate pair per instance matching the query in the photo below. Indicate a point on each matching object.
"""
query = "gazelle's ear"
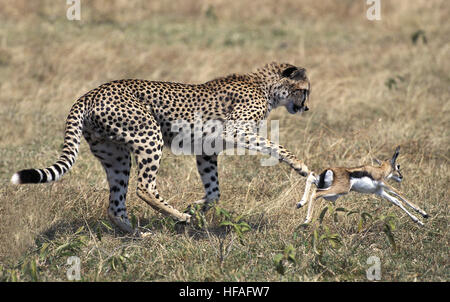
(377, 161)
(394, 157)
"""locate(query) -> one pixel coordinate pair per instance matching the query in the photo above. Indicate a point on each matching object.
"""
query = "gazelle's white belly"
(364, 185)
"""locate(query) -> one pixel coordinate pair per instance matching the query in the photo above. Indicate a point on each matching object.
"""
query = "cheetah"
(135, 117)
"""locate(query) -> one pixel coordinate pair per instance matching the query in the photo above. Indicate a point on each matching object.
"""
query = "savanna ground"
(375, 85)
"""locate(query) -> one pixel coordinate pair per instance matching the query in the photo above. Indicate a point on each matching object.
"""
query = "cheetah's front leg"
(248, 139)
(207, 168)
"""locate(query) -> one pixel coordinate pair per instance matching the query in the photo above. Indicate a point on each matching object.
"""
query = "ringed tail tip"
(30, 176)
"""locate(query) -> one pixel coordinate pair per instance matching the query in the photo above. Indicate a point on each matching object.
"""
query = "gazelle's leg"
(312, 198)
(332, 193)
(400, 205)
(412, 205)
(309, 181)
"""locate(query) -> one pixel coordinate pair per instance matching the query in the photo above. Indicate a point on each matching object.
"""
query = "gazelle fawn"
(334, 182)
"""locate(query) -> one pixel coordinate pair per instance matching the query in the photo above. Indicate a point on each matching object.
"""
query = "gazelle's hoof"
(186, 218)
(303, 173)
(300, 204)
(145, 234)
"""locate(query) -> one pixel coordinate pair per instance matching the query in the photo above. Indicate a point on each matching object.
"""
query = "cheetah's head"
(292, 89)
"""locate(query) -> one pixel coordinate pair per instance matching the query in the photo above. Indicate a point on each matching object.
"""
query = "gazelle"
(334, 182)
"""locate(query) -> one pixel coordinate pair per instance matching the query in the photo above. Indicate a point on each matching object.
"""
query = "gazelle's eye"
(398, 167)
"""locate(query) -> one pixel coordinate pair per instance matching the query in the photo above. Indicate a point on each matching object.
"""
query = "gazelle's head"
(392, 169)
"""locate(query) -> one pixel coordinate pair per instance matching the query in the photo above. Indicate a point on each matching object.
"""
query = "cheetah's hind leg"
(115, 159)
(148, 151)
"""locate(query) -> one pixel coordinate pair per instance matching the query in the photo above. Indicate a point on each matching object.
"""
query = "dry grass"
(373, 88)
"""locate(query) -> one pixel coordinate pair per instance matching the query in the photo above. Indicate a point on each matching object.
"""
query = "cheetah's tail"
(72, 136)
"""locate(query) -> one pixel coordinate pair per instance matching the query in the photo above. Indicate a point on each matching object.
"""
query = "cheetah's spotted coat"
(135, 117)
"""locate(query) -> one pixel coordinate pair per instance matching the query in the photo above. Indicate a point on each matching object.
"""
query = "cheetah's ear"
(294, 73)
(288, 71)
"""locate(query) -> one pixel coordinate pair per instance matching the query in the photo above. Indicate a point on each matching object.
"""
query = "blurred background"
(376, 84)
